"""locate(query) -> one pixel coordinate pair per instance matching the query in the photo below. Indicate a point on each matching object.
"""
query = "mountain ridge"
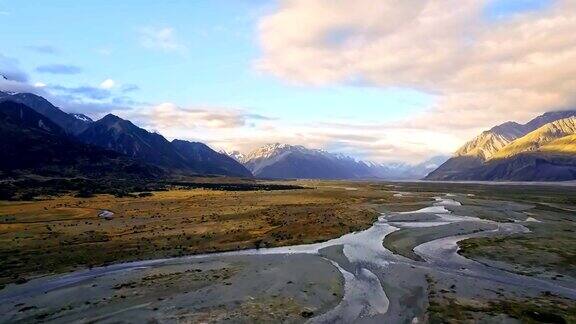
(32, 143)
(126, 140)
(296, 161)
(539, 138)
(68, 122)
(496, 154)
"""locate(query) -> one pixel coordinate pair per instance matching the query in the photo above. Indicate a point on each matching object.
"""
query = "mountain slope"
(203, 159)
(32, 143)
(489, 142)
(536, 150)
(117, 134)
(524, 167)
(537, 140)
(475, 152)
(563, 145)
(70, 123)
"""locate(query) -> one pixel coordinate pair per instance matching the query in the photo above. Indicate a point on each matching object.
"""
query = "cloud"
(92, 101)
(161, 39)
(238, 129)
(59, 69)
(127, 88)
(9, 67)
(59, 96)
(170, 116)
(43, 49)
(107, 84)
(482, 71)
(94, 93)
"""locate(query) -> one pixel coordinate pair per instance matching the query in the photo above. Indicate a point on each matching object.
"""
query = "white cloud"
(484, 72)
(161, 39)
(168, 116)
(10, 68)
(39, 84)
(237, 129)
(107, 84)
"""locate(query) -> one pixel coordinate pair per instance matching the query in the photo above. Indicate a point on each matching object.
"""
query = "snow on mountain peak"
(82, 117)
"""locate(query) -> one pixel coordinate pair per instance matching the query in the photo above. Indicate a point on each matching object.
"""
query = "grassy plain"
(59, 233)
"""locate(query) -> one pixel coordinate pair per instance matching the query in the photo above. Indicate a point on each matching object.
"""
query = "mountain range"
(544, 149)
(40, 138)
(33, 143)
(112, 139)
(53, 138)
(281, 161)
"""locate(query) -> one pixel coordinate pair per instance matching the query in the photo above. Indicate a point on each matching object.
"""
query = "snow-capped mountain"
(296, 161)
(236, 155)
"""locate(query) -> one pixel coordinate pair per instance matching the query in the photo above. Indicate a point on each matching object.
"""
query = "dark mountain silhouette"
(32, 143)
(70, 123)
(116, 134)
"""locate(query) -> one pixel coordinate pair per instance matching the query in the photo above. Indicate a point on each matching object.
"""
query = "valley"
(398, 263)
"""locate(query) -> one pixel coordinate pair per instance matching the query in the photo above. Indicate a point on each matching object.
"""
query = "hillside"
(540, 150)
(540, 139)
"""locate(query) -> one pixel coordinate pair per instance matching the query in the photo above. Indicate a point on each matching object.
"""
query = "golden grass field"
(57, 234)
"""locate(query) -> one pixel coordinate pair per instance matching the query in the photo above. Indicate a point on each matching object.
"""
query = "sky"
(381, 80)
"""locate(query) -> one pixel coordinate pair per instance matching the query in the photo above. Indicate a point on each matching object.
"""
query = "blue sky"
(502, 9)
(129, 55)
(214, 67)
